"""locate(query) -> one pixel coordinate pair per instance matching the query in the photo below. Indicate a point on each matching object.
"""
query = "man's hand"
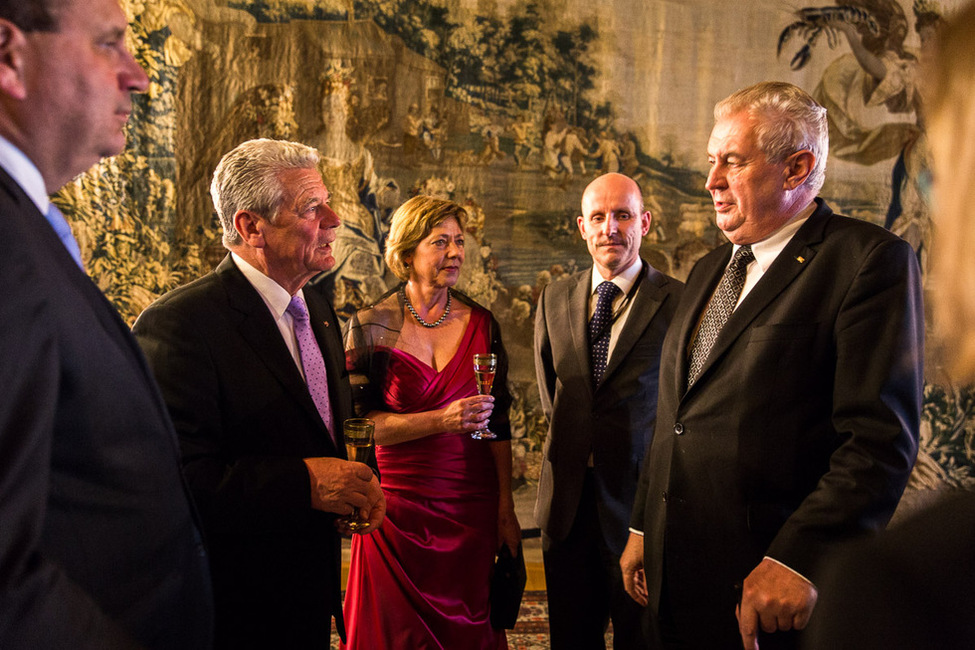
(343, 487)
(631, 563)
(371, 519)
(774, 598)
(374, 517)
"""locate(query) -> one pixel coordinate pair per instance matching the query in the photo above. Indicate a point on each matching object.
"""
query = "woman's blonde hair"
(411, 223)
(949, 102)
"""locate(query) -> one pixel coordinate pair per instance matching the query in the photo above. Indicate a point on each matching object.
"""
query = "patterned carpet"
(531, 632)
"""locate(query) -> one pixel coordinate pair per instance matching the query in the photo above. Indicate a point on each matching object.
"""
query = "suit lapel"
(696, 296)
(57, 255)
(647, 300)
(258, 328)
(326, 330)
(102, 309)
(793, 259)
(576, 315)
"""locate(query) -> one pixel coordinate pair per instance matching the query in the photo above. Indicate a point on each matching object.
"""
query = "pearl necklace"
(420, 320)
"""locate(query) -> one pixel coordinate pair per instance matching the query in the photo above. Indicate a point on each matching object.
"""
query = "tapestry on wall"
(509, 108)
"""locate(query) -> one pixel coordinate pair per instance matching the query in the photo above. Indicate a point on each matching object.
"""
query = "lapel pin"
(325, 322)
(800, 259)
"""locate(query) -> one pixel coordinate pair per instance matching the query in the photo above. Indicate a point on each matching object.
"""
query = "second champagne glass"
(485, 366)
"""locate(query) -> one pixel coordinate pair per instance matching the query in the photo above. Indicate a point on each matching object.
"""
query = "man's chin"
(613, 265)
(326, 264)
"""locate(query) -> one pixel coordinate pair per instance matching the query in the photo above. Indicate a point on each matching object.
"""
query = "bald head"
(613, 223)
(616, 184)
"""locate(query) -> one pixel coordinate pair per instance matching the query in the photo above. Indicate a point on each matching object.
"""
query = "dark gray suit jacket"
(801, 430)
(99, 547)
(615, 421)
(245, 421)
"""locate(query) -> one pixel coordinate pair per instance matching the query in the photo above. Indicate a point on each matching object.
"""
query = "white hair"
(247, 179)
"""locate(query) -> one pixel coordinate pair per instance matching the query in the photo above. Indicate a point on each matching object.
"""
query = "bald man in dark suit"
(599, 427)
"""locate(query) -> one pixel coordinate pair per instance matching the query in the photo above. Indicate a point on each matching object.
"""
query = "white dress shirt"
(621, 303)
(769, 248)
(25, 173)
(277, 300)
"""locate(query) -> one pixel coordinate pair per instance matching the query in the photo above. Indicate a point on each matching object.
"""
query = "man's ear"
(800, 166)
(250, 227)
(645, 220)
(13, 45)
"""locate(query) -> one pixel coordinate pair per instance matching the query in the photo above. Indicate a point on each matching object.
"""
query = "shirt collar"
(24, 173)
(768, 249)
(275, 296)
(622, 280)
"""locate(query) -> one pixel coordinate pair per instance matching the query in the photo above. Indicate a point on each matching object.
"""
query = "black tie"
(599, 329)
(719, 309)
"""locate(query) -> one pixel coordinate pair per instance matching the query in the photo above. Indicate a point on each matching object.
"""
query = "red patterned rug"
(531, 631)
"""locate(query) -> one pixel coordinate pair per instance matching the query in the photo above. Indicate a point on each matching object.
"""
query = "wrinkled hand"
(509, 531)
(468, 413)
(631, 564)
(773, 598)
(373, 518)
(342, 486)
(375, 515)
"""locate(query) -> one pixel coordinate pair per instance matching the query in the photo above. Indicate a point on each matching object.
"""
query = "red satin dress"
(421, 580)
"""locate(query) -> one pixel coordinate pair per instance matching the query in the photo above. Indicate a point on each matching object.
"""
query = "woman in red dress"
(421, 580)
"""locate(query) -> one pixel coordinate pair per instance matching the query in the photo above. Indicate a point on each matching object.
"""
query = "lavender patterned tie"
(599, 329)
(719, 310)
(312, 362)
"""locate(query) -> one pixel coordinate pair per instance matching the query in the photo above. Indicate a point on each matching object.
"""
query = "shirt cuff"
(786, 566)
(636, 532)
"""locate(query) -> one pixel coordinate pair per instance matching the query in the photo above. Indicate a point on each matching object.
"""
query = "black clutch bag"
(507, 588)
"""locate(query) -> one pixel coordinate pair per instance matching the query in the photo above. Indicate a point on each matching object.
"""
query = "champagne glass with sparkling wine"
(485, 366)
(359, 442)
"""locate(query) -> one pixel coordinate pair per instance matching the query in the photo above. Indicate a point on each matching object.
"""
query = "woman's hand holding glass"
(468, 414)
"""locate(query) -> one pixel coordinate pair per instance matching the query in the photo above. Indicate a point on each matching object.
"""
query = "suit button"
(663, 496)
(679, 428)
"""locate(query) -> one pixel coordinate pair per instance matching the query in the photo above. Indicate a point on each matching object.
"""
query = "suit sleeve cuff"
(786, 566)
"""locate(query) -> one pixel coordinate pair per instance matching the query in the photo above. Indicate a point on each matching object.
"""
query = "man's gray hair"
(788, 120)
(247, 179)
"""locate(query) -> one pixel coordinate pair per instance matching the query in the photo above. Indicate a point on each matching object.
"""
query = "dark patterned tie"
(719, 309)
(312, 362)
(599, 329)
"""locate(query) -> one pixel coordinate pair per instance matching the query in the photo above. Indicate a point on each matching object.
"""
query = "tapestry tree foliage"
(513, 63)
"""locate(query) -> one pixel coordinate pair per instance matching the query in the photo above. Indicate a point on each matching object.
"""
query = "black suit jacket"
(802, 428)
(98, 544)
(245, 421)
(615, 421)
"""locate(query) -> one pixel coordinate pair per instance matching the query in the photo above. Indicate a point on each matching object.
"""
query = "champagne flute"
(359, 443)
(485, 366)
